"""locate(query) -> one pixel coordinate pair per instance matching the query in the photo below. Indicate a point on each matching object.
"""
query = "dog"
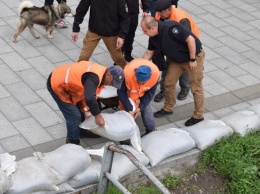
(45, 16)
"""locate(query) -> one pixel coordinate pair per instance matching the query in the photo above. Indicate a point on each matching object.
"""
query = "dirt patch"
(207, 182)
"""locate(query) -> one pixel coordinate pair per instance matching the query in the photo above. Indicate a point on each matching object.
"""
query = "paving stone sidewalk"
(31, 121)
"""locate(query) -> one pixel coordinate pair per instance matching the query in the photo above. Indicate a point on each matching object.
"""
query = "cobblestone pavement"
(31, 121)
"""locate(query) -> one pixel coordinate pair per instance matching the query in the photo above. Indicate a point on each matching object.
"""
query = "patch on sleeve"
(175, 31)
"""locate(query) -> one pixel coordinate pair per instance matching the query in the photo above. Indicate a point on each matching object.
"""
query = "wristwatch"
(192, 59)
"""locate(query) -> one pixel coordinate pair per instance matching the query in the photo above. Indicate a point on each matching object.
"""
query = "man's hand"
(193, 65)
(136, 112)
(119, 42)
(100, 120)
(74, 36)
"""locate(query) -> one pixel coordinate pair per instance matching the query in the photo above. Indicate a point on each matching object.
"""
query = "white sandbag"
(159, 145)
(243, 121)
(89, 176)
(4, 181)
(7, 163)
(119, 126)
(123, 166)
(108, 92)
(30, 176)
(62, 188)
(66, 161)
(255, 108)
(207, 133)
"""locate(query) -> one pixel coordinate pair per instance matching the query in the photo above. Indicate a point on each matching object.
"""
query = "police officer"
(165, 11)
(185, 53)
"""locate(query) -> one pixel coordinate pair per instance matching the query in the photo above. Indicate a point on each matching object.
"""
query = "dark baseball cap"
(161, 5)
(118, 75)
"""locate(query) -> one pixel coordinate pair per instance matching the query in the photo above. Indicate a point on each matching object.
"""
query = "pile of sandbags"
(46, 172)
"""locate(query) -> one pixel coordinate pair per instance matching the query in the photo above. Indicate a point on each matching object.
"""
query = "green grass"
(237, 158)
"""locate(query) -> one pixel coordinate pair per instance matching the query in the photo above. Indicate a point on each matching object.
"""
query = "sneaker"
(88, 134)
(193, 121)
(161, 113)
(77, 142)
(183, 94)
(61, 23)
(159, 97)
(128, 57)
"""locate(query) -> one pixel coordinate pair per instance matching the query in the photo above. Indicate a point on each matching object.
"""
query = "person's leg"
(175, 3)
(129, 39)
(173, 73)
(116, 54)
(72, 115)
(48, 2)
(160, 96)
(90, 42)
(196, 77)
(151, 2)
(184, 84)
(148, 120)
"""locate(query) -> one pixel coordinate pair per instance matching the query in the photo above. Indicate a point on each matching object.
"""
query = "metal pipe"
(116, 183)
(141, 167)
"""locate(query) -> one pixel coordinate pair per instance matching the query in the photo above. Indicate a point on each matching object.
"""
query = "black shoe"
(77, 142)
(159, 97)
(88, 134)
(161, 113)
(128, 57)
(193, 121)
(183, 94)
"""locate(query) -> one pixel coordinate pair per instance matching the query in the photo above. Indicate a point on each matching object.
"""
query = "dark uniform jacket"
(171, 41)
(107, 18)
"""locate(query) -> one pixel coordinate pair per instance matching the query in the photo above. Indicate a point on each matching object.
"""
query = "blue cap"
(117, 74)
(143, 73)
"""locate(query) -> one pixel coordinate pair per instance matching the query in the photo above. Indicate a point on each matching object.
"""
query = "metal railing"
(105, 175)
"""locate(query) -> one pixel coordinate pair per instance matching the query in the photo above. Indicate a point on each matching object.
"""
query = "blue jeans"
(71, 113)
(148, 119)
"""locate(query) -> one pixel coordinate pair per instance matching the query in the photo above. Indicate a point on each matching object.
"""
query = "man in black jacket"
(133, 11)
(108, 21)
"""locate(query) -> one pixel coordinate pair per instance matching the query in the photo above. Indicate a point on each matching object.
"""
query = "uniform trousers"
(175, 70)
(91, 41)
(129, 39)
(184, 81)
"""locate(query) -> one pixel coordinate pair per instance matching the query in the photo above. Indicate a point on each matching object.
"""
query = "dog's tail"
(24, 4)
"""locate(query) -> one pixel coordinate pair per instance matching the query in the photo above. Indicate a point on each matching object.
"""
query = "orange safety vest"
(177, 15)
(135, 90)
(66, 81)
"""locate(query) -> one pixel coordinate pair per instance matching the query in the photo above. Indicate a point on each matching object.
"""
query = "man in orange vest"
(165, 11)
(141, 77)
(74, 88)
